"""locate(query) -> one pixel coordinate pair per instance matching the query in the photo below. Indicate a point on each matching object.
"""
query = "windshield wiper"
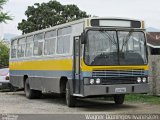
(107, 35)
(125, 40)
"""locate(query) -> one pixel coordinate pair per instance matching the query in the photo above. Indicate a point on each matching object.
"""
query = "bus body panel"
(45, 72)
(95, 90)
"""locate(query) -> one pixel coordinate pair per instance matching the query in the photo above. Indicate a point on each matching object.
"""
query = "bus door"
(76, 65)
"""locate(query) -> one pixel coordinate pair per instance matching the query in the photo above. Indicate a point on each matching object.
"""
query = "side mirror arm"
(83, 38)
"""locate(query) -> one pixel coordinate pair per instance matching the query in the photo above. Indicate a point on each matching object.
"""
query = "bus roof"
(72, 23)
(51, 28)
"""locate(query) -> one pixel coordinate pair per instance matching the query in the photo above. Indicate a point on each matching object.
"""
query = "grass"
(143, 98)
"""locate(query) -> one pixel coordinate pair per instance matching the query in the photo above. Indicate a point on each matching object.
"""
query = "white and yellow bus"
(83, 58)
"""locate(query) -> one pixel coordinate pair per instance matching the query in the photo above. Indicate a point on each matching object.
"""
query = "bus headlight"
(144, 80)
(98, 81)
(138, 79)
(91, 81)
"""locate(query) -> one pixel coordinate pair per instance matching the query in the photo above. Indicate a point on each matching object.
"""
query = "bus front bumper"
(91, 90)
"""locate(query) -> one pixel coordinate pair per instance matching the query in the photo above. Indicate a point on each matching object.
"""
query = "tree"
(4, 54)
(40, 16)
(3, 15)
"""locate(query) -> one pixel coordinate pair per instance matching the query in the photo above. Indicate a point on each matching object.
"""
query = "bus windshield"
(115, 48)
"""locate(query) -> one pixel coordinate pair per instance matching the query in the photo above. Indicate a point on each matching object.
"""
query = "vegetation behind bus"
(45, 15)
(4, 50)
(3, 15)
(144, 98)
(4, 54)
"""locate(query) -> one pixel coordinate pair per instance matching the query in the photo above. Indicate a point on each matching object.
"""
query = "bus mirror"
(83, 38)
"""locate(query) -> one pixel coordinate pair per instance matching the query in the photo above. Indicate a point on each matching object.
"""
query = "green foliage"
(41, 16)
(144, 98)
(3, 16)
(4, 54)
(2, 2)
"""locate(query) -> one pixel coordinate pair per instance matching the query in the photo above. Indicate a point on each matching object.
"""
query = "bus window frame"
(21, 44)
(11, 49)
(39, 40)
(32, 45)
(54, 54)
(116, 29)
(71, 42)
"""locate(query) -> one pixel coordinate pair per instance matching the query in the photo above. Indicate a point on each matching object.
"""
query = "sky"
(148, 10)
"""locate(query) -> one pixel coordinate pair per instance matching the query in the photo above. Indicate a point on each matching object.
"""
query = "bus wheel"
(119, 99)
(70, 100)
(31, 94)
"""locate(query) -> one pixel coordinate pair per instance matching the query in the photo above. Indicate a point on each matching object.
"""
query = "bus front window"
(115, 48)
(132, 48)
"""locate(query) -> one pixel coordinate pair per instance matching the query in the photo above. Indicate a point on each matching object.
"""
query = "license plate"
(120, 90)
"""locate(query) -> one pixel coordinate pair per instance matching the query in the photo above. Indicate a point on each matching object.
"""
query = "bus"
(89, 57)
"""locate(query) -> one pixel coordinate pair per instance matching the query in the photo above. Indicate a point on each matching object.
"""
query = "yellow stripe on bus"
(91, 68)
(65, 65)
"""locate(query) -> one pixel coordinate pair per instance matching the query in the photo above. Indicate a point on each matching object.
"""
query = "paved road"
(17, 103)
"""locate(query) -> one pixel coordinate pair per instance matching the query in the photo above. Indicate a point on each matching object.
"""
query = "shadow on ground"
(89, 104)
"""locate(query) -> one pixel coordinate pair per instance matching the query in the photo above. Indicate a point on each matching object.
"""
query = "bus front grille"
(117, 73)
(120, 80)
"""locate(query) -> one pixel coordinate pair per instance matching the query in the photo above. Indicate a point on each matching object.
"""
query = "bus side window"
(13, 49)
(38, 44)
(49, 43)
(21, 47)
(29, 46)
(63, 42)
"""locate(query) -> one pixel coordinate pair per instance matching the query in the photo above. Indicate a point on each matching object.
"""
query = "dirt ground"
(17, 103)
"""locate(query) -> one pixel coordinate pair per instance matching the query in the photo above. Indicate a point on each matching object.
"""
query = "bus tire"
(70, 100)
(119, 99)
(31, 94)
